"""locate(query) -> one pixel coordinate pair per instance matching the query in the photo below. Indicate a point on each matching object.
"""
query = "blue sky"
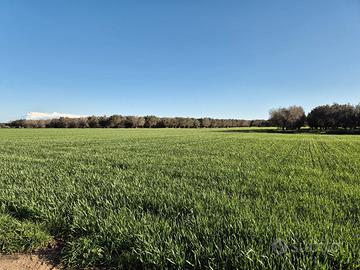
(226, 59)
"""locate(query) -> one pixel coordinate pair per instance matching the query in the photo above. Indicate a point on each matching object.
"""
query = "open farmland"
(169, 198)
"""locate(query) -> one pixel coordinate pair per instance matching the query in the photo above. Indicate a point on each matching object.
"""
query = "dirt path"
(41, 260)
(23, 262)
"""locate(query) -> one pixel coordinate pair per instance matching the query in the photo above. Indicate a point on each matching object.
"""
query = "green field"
(182, 198)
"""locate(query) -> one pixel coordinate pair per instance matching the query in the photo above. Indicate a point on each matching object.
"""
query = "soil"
(47, 259)
(23, 262)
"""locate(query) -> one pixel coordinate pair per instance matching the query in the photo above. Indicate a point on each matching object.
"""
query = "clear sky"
(223, 58)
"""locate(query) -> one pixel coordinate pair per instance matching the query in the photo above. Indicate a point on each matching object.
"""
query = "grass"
(182, 199)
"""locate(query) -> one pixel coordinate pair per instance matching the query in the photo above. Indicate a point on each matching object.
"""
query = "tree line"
(323, 117)
(119, 121)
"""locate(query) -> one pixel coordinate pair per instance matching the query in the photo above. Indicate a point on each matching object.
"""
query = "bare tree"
(119, 121)
(151, 121)
(288, 118)
(295, 117)
(278, 117)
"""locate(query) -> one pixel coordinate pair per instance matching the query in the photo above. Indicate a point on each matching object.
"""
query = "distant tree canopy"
(288, 118)
(334, 116)
(325, 117)
(119, 121)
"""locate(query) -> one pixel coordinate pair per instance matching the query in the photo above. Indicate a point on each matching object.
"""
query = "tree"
(93, 122)
(17, 123)
(73, 123)
(140, 121)
(319, 117)
(278, 117)
(357, 115)
(344, 116)
(150, 121)
(134, 121)
(116, 121)
(205, 122)
(57, 123)
(196, 123)
(255, 123)
(82, 123)
(295, 117)
(167, 122)
(103, 121)
(333, 116)
(119, 121)
(289, 118)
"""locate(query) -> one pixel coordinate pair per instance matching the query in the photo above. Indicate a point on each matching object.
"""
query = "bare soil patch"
(47, 259)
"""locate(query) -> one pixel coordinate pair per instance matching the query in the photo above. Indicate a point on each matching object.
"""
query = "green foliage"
(334, 116)
(16, 236)
(182, 199)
